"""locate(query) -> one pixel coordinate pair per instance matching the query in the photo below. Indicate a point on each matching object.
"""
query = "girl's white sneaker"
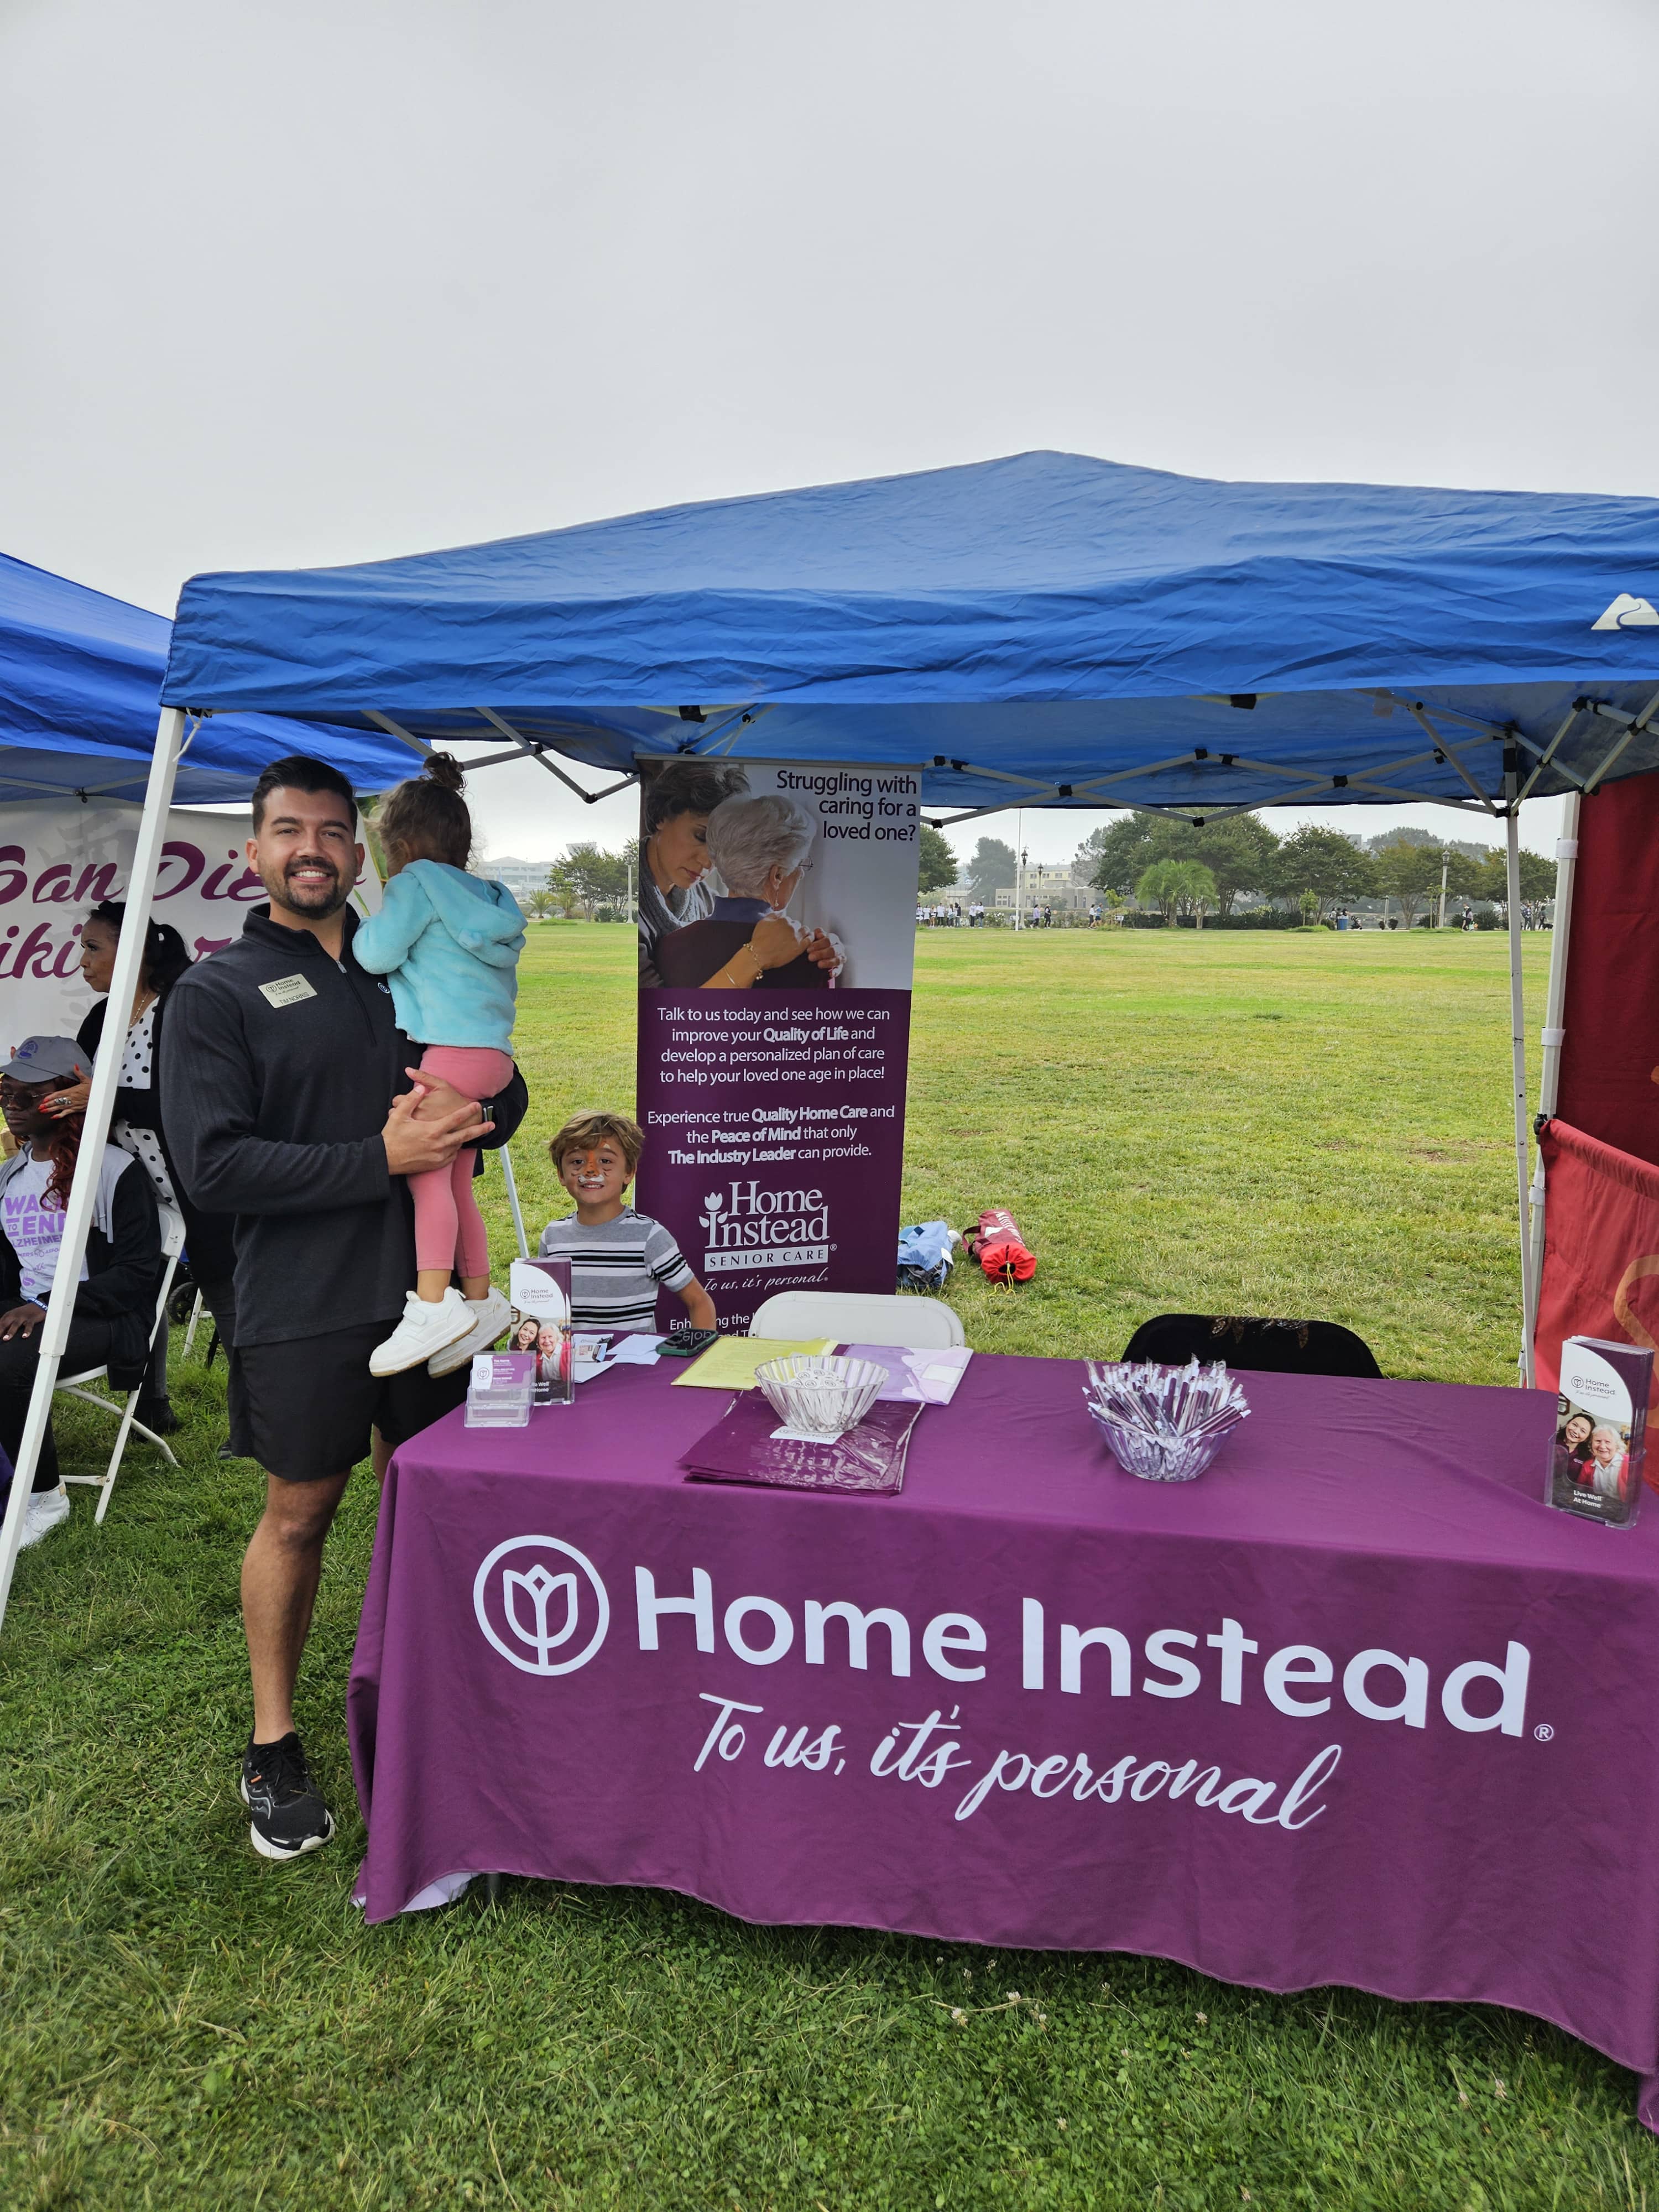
(424, 1329)
(492, 1316)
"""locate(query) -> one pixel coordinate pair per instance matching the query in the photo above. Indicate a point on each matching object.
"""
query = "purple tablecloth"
(1056, 1707)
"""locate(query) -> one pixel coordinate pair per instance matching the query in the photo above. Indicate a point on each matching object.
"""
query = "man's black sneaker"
(289, 1816)
(157, 1416)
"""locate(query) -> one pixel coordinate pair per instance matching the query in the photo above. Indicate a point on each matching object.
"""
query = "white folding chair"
(914, 1324)
(71, 1386)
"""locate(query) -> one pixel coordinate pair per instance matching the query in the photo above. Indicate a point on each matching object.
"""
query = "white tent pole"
(1518, 1066)
(1555, 1035)
(506, 1159)
(1555, 1007)
(77, 1221)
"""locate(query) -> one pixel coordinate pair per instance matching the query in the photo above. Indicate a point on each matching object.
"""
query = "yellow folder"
(730, 1364)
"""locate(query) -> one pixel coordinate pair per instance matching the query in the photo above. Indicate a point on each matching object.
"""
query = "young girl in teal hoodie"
(450, 943)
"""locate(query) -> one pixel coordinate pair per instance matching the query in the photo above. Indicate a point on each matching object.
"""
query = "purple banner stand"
(774, 1126)
(1355, 1707)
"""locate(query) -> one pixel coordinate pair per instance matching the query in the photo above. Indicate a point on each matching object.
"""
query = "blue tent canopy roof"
(1048, 627)
(80, 694)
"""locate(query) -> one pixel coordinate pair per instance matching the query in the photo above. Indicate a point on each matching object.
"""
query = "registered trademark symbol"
(1544, 1732)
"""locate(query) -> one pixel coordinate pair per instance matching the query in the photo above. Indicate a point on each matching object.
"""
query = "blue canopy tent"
(1048, 629)
(80, 685)
(80, 689)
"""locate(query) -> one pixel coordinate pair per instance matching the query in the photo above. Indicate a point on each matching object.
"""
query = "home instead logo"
(746, 1227)
(534, 1596)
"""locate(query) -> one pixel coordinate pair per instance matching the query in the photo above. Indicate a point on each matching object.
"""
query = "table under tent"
(80, 681)
(1047, 630)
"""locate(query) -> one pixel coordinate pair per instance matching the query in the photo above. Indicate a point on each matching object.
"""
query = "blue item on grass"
(925, 1257)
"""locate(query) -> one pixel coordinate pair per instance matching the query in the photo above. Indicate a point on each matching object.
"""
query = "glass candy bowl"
(1163, 1424)
(820, 1394)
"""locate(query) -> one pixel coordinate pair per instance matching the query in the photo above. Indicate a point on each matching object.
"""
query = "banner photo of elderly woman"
(760, 850)
(777, 940)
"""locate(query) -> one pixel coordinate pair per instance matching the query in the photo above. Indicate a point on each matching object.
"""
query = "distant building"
(1066, 889)
(521, 877)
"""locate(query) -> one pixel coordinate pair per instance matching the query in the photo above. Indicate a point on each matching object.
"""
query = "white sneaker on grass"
(47, 1508)
(425, 1328)
(491, 1315)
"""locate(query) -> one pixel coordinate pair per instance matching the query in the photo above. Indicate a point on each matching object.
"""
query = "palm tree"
(1177, 887)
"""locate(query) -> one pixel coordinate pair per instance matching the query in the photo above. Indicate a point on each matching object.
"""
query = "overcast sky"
(308, 283)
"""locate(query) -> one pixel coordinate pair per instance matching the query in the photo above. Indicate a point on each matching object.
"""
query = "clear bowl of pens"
(1163, 1424)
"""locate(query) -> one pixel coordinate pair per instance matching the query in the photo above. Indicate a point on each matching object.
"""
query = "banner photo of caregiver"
(776, 877)
(776, 940)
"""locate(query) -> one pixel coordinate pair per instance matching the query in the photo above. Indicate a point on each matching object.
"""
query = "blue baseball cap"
(47, 1059)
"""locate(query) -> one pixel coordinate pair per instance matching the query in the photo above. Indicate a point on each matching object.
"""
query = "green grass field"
(1306, 1125)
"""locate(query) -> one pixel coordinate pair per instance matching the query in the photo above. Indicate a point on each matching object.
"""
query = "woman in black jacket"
(114, 1306)
(136, 1126)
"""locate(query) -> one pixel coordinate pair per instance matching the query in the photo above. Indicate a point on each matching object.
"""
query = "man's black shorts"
(304, 1409)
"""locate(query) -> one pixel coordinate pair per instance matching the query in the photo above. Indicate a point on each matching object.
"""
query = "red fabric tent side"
(1600, 1250)
(1609, 1082)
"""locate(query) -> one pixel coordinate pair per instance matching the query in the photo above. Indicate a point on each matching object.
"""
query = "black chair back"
(1272, 1347)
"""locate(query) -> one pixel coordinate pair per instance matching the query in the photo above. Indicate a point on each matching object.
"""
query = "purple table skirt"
(1033, 1702)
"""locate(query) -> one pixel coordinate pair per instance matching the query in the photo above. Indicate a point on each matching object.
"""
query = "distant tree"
(1199, 890)
(1177, 887)
(539, 904)
(994, 867)
(938, 862)
(1490, 880)
(1159, 887)
(1322, 861)
(589, 876)
(1117, 856)
(1238, 853)
(1405, 835)
(1407, 869)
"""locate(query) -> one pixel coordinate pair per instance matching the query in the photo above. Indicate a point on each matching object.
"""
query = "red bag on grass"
(1000, 1249)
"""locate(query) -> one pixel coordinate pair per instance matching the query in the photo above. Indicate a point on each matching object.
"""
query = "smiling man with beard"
(284, 1091)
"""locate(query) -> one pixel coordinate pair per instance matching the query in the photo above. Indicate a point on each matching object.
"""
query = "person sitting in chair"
(115, 1304)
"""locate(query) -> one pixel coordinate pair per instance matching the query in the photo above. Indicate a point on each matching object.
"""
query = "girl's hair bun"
(444, 770)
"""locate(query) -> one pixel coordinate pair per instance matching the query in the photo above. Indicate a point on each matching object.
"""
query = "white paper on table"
(625, 1352)
(929, 1379)
(634, 1351)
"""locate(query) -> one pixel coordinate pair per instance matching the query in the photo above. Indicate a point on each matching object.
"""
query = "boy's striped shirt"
(617, 1268)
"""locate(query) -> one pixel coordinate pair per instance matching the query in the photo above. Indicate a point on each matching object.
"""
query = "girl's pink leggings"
(449, 1230)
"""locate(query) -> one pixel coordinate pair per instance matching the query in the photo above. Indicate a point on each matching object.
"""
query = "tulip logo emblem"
(532, 1611)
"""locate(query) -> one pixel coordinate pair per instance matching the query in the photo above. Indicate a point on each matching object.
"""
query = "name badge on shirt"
(287, 990)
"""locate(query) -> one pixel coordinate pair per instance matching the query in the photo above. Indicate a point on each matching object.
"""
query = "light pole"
(1445, 860)
(1020, 891)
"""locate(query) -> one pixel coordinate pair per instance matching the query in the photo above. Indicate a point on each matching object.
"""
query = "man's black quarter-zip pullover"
(280, 1065)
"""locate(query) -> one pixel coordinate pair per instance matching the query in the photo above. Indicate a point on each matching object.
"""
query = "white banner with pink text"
(58, 860)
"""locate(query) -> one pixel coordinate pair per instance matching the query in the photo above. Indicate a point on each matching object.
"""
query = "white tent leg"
(77, 1220)
(506, 1159)
(1555, 1007)
(1518, 1071)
